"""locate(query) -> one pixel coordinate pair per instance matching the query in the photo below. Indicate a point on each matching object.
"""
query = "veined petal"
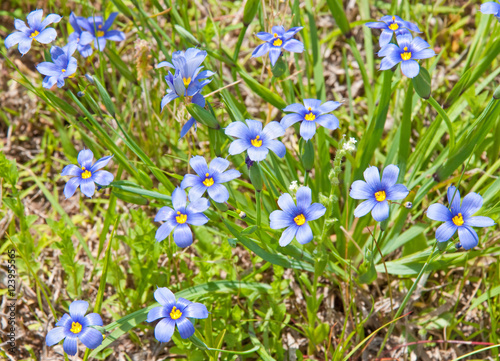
(103, 177)
(164, 231)
(164, 297)
(274, 54)
(411, 26)
(279, 30)
(199, 219)
(454, 199)
(410, 68)
(218, 165)
(307, 129)
(490, 7)
(276, 146)
(55, 336)
(361, 190)
(314, 104)
(85, 157)
(365, 207)
(70, 345)
(218, 193)
(295, 108)
(109, 21)
(264, 36)
(15, 38)
(35, 18)
(164, 64)
(304, 234)
(156, 313)
(178, 198)
(199, 164)
(404, 40)
(260, 50)
(328, 121)
(238, 146)
(279, 219)
(471, 204)
(418, 44)
(445, 231)
(257, 154)
(385, 37)
(237, 129)
(439, 212)
(381, 211)
(93, 319)
(227, 176)
(468, 237)
(391, 59)
(479, 221)
(185, 327)
(195, 310)
(387, 49)
(20, 25)
(376, 25)
(390, 176)
(115, 35)
(183, 237)
(292, 32)
(164, 214)
(24, 45)
(254, 127)
(49, 69)
(90, 337)
(65, 321)
(396, 192)
(315, 211)
(71, 187)
(101, 163)
(293, 46)
(290, 119)
(50, 19)
(328, 107)
(189, 180)
(304, 198)
(423, 54)
(372, 177)
(168, 98)
(273, 130)
(77, 309)
(185, 128)
(198, 205)
(71, 169)
(197, 191)
(165, 329)
(287, 204)
(87, 186)
(287, 235)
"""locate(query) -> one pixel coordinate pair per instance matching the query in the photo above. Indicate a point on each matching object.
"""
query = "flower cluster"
(277, 41)
(407, 50)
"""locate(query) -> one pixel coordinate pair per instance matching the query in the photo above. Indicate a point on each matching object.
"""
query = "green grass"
(360, 288)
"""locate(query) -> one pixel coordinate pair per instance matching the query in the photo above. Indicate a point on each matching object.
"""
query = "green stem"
(239, 42)
(447, 120)
(258, 208)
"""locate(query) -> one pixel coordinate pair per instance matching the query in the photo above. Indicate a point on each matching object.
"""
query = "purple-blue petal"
(103, 177)
(307, 129)
(183, 237)
(71, 186)
(257, 154)
(164, 231)
(101, 163)
(164, 297)
(293, 46)
(199, 164)
(423, 54)
(15, 38)
(238, 146)
(292, 32)
(361, 190)
(376, 25)
(314, 211)
(290, 119)
(445, 231)
(185, 327)
(391, 59)
(396, 192)
(410, 68)
(372, 177)
(260, 50)
(165, 329)
(381, 211)
(46, 36)
(385, 37)
(468, 237)
(87, 186)
(199, 219)
(479, 221)
(454, 199)
(273, 130)
(70, 345)
(190, 180)
(280, 219)
(35, 19)
(218, 165)
(64, 321)
(93, 319)
(227, 176)
(195, 310)
(304, 198)
(156, 313)
(90, 337)
(55, 335)
(77, 309)
(439, 212)
(237, 129)
(287, 204)
(178, 198)
(295, 108)
(274, 54)
(471, 204)
(72, 170)
(287, 235)
(328, 121)
(365, 207)
(218, 193)
(490, 7)
(198, 205)
(276, 146)
(264, 36)
(390, 176)
(304, 234)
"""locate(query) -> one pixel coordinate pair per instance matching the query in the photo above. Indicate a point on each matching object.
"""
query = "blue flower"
(377, 192)
(86, 174)
(276, 41)
(63, 66)
(209, 178)
(309, 114)
(459, 218)
(76, 326)
(295, 217)
(408, 50)
(392, 25)
(36, 29)
(99, 29)
(82, 38)
(179, 218)
(491, 8)
(188, 80)
(255, 140)
(174, 312)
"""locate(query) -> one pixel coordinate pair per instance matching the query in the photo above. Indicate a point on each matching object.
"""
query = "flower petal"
(156, 313)
(198, 219)
(468, 237)
(471, 204)
(115, 35)
(410, 68)
(163, 214)
(278, 30)
(103, 177)
(274, 54)
(391, 59)
(388, 49)
(376, 25)
(90, 337)
(48, 68)
(287, 204)
(168, 98)
(385, 37)
(55, 335)
(445, 231)
(24, 45)
(361, 190)
(238, 146)
(328, 121)
(328, 107)
(454, 199)
(198, 205)
(417, 45)
(381, 211)
(94, 319)
(257, 154)
(237, 129)
(199, 164)
(190, 180)
(397, 191)
(70, 345)
(390, 176)
(64, 321)
(490, 7)
(314, 211)
(273, 130)
(294, 108)
(77, 310)
(164, 330)
(195, 310)
(178, 198)
(46, 36)
(101, 163)
(264, 36)
(280, 219)
(20, 25)
(304, 234)
(164, 231)
(218, 165)
(254, 127)
(50, 19)
(197, 190)
(292, 32)
(185, 327)
(423, 54)
(372, 177)
(307, 129)
(35, 18)
(87, 186)
(183, 237)
(479, 221)
(260, 50)
(71, 169)
(218, 193)
(276, 146)
(227, 176)
(15, 38)
(164, 297)
(85, 157)
(290, 119)
(185, 128)
(364, 207)
(304, 199)
(71, 187)
(287, 235)
(293, 46)
(439, 212)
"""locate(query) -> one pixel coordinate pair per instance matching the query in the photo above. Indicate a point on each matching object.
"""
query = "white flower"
(293, 186)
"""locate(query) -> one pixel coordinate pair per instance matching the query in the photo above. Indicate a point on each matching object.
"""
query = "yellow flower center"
(208, 181)
(277, 42)
(76, 327)
(310, 117)
(72, 76)
(406, 55)
(380, 196)
(186, 81)
(63, 70)
(300, 220)
(86, 174)
(181, 218)
(394, 26)
(100, 33)
(175, 314)
(275, 35)
(458, 219)
(34, 33)
(257, 142)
